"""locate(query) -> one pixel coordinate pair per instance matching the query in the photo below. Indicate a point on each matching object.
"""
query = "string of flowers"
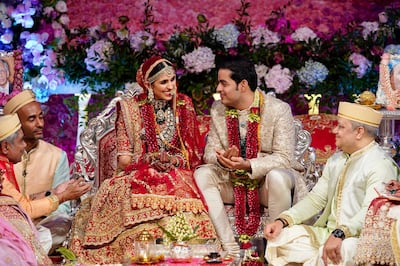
(150, 126)
(152, 129)
(149, 122)
(246, 189)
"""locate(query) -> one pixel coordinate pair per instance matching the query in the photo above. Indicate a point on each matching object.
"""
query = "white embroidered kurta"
(343, 193)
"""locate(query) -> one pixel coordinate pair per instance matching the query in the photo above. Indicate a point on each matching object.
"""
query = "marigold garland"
(246, 190)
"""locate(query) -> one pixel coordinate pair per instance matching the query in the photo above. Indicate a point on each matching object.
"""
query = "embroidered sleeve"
(123, 144)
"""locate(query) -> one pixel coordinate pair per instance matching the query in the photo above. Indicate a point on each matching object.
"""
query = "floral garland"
(152, 129)
(246, 187)
(150, 147)
(150, 144)
(392, 95)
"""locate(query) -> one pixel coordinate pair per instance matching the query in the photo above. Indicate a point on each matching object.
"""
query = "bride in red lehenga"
(158, 145)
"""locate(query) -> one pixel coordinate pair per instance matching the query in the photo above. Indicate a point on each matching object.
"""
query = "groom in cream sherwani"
(273, 165)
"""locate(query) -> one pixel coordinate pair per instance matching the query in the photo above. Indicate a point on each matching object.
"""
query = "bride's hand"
(165, 157)
(164, 162)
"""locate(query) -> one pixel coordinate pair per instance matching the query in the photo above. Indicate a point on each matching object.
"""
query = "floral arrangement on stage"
(289, 60)
(178, 229)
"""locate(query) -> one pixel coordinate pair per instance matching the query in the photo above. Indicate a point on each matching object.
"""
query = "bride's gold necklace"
(165, 123)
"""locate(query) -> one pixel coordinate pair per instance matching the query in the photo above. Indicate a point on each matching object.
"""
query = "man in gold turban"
(342, 196)
(43, 166)
(18, 236)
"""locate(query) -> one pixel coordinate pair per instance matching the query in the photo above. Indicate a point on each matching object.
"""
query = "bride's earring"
(150, 95)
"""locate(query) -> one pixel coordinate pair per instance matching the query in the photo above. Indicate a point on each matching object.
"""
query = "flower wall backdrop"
(299, 46)
(323, 16)
(293, 56)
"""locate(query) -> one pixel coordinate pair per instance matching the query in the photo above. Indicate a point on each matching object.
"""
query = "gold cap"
(18, 101)
(9, 124)
(359, 113)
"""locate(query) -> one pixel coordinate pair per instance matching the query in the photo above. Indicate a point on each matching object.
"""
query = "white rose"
(61, 7)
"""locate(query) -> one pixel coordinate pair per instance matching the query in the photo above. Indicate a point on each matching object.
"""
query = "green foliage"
(68, 255)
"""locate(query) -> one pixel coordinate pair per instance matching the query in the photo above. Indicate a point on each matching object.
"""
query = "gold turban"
(18, 101)
(360, 113)
(9, 124)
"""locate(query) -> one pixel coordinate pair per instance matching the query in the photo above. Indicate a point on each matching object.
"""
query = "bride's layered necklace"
(165, 120)
(159, 123)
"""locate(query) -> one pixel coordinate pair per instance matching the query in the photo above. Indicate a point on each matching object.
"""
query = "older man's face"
(16, 148)
(346, 135)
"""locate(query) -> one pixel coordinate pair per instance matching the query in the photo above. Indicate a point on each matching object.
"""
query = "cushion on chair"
(323, 139)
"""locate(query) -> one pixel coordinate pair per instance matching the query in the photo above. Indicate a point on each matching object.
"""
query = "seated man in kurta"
(43, 166)
(19, 244)
(343, 194)
(12, 146)
(250, 145)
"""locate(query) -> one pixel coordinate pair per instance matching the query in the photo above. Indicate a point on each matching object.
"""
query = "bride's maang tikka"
(167, 69)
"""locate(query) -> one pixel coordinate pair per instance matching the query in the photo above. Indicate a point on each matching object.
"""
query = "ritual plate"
(153, 261)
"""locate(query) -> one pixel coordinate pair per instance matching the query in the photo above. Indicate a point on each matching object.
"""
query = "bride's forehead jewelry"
(169, 70)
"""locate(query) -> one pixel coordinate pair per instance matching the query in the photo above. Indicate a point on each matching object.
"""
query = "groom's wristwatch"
(339, 234)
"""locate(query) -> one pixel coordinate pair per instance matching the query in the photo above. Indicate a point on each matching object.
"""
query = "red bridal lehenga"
(106, 225)
(379, 241)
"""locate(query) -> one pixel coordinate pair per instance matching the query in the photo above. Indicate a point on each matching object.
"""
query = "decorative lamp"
(145, 249)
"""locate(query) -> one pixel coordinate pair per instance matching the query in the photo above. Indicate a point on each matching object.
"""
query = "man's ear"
(360, 132)
(243, 85)
(4, 146)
